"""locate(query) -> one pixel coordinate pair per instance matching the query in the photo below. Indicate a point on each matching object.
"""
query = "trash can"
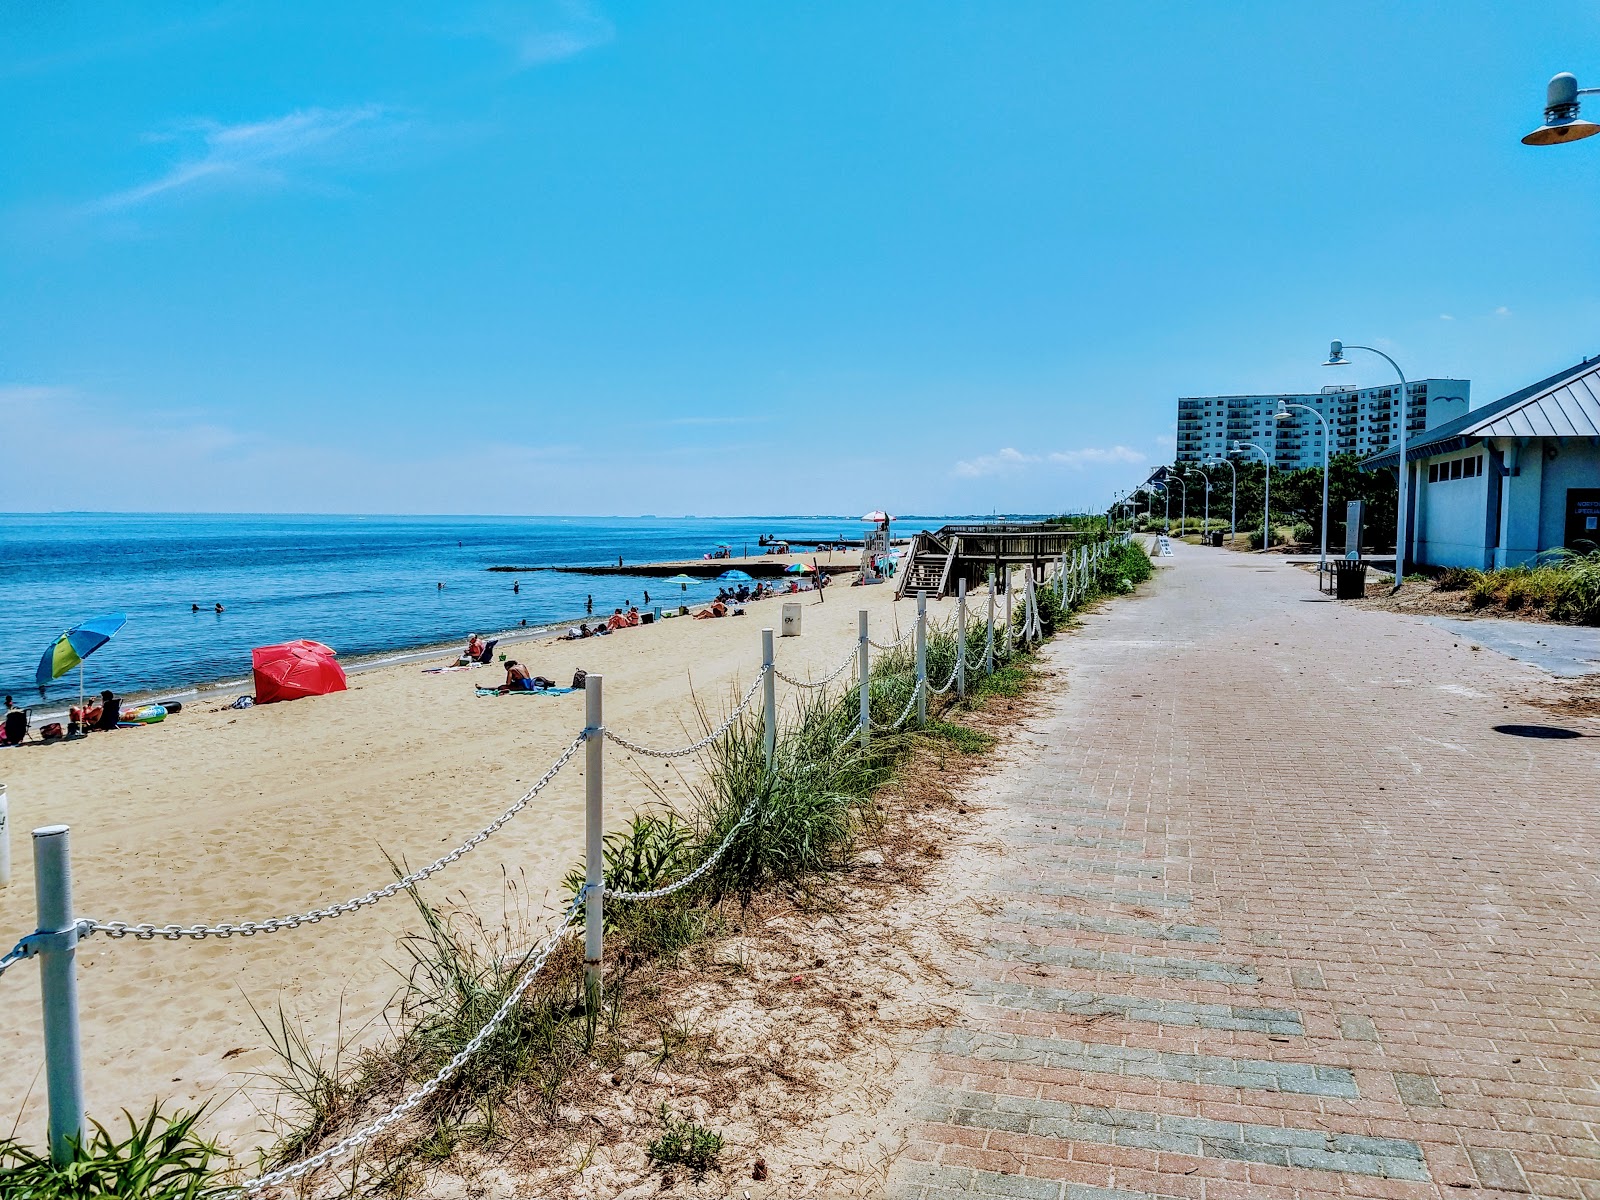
(791, 620)
(1349, 579)
(1216, 537)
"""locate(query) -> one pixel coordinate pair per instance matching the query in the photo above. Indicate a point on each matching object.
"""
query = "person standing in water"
(516, 587)
(588, 606)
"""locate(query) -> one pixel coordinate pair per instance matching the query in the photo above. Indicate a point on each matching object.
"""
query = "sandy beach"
(223, 815)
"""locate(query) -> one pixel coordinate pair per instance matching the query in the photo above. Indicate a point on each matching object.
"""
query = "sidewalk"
(1217, 964)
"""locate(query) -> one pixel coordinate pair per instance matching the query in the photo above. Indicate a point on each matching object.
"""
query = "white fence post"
(988, 635)
(58, 988)
(961, 638)
(5, 838)
(1008, 612)
(594, 913)
(922, 658)
(864, 650)
(1031, 615)
(769, 697)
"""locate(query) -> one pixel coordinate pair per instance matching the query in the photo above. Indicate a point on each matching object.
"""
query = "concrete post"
(1008, 612)
(961, 640)
(863, 649)
(922, 658)
(988, 635)
(58, 988)
(594, 840)
(769, 697)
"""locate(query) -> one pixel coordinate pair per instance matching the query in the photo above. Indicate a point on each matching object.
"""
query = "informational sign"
(1583, 520)
(1352, 529)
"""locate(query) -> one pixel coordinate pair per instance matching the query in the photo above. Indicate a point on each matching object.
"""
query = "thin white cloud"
(1446, 317)
(552, 32)
(261, 152)
(1002, 462)
(1009, 460)
(1166, 439)
(1079, 458)
(1502, 311)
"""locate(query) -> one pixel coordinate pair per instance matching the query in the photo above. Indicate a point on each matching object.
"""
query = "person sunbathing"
(633, 616)
(717, 609)
(474, 647)
(617, 621)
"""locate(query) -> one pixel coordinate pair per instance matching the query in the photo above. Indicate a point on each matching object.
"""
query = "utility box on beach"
(791, 619)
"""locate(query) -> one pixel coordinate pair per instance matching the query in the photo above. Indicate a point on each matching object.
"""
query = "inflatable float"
(143, 714)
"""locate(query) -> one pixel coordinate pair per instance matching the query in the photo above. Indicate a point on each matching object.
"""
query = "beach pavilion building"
(1510, 480)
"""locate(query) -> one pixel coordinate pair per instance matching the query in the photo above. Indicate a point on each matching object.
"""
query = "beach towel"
(443, 670)
(550, 691)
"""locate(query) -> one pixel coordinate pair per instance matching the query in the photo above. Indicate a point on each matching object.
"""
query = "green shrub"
(161, 1158)
(1302, 534)
(683, 1143)
(1580, 594)
(1456, 579)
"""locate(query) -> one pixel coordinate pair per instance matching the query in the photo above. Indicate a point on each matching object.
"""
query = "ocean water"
(363, 585)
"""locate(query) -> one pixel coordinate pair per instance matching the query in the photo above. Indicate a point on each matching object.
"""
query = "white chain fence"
(904, 638)
(145, 932)
(911, 704)
(697, 873)
(820, 683)
(693, 747)
(346, 1146)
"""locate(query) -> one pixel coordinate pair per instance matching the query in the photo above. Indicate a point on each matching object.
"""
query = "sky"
(714, 258)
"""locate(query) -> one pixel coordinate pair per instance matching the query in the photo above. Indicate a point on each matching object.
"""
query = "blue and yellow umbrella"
(76, 644)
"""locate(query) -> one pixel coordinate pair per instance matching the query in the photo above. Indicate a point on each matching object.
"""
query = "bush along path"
(559, 1085)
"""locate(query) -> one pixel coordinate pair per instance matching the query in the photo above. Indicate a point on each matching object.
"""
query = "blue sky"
(728, 257)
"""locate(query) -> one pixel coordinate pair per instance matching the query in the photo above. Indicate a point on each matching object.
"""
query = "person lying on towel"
(717, 609)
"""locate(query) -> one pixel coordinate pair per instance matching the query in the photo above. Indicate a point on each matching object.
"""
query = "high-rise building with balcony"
(1361, 420)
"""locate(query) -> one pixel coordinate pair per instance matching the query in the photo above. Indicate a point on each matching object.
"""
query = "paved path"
(1220, 964)
(1568, 650)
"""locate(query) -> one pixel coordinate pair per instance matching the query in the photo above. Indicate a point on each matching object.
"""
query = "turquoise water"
(363, 585)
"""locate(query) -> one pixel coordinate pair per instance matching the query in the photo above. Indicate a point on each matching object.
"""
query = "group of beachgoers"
(104, 713)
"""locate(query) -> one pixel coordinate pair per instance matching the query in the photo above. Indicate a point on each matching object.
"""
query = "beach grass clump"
(963, 738)
(1561, 584)
(685, 1143)
(161, 1157)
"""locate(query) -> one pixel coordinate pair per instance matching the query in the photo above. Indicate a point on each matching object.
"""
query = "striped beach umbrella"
(76, 644)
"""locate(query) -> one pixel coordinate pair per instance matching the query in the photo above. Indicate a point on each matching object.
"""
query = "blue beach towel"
(526, 692)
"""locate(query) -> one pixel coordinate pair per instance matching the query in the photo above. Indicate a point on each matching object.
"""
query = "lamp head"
(1283, 413)
(1336, 356)
(1561, 120)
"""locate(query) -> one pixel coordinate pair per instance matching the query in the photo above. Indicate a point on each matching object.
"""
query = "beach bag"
(52, 731)
(244, 702)
(580, 678)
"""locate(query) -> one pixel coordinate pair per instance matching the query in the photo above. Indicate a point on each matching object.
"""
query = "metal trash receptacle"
(791, 620)
(1216, 537)
(1349, 579)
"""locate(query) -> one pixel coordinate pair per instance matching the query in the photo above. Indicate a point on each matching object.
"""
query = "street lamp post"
(1561, 120)
(1233, 498)
(1283, 415)
(1402, 542)
(1183, 517)
(1205, 530)
(1266, 499)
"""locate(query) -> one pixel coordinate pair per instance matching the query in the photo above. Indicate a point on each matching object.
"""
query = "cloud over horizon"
(1008, 460)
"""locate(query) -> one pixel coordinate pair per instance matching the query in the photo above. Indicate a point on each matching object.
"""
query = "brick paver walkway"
(1265, 929)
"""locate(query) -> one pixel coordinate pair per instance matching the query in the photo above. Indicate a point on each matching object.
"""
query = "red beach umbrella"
(295, 669)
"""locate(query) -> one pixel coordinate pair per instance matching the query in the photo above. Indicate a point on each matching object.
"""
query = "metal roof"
(1565, 405)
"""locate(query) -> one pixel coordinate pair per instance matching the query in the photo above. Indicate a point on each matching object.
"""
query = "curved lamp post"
(1402, 542)
(1283, 414)
(1205, 530)
(1184, 515)
(1266, 499)
(1561, 120)
(1233, 517)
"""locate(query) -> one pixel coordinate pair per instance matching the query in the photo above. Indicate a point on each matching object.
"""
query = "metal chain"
(949, 683)
(39, 939)
(692, 876)
(121, 929)
(703, 742)
(800, 683)
(904, 638)
(910, 704)
(367, 1132)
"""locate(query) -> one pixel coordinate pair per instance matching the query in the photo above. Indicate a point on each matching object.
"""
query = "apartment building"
(1362, 421)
